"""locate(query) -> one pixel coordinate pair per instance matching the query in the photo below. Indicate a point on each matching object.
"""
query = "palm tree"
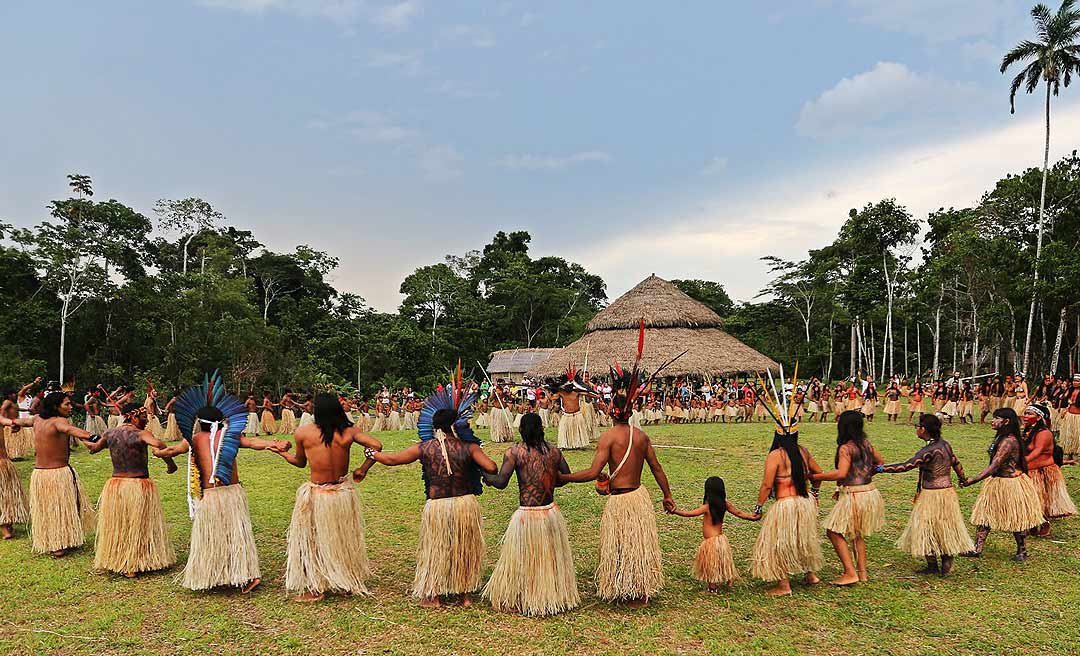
(1053, 57)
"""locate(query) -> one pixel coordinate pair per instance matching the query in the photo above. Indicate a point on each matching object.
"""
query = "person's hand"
(756, 517)
(602, 477)
(280, 446)
(836, 495)
(38, 380)
(359, 474)
(669, 505)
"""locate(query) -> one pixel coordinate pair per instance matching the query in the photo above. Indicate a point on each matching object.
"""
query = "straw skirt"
(788, 543)
(153, 424)
(630, 563)
(1070, 433)
(535, 573)
(574, 431)
(115, 421)
(500, 425)
(450, 556)
(326, 541)
(95, 425)
(1050, 484)
(172, 429)
(859, 513)
(269, 424)
(251, 428)
(936, 527)
(287, 425)
(60, 511)
(222, 542)
(1007, 504)
(714, 564)
(18, 443)
(14, 508)
(131, 535)
(892, 407)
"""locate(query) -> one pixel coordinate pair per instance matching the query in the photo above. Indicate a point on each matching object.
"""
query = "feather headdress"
(452, 397)
(570, 381)
(783, 411)
(224, 436)
(630, 384)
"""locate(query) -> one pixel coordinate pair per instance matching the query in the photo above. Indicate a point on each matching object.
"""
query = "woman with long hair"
(1008, 500)
(860, 508)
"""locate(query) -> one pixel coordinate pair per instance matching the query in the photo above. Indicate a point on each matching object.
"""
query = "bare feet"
(251, 585)
(781, 589)
(863, 577)
(640, 602)
(847, 579)
(811, 579)
(130, 575)
(466, 600)
(309, 597)
(430, 602)
(6, 532)
(59, 553)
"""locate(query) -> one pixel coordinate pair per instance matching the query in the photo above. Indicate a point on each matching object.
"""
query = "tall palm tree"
(1053, 58)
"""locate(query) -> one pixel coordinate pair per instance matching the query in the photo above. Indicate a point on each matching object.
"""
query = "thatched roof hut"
(512, 364)
(674, 323)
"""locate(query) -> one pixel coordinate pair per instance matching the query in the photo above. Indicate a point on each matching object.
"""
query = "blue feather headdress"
(453, 398)
(224, 442)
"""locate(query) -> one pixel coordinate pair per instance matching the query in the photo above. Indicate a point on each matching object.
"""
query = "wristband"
(757, 509)
(369, 453)
(815, 491)
(94, 438)
(880, 469)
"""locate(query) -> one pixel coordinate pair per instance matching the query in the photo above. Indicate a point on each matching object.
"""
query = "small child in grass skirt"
(714, 565)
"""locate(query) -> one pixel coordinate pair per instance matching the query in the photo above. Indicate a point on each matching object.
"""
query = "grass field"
(988, 606)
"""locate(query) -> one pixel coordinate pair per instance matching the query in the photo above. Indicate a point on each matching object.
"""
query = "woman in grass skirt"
(1044, 468)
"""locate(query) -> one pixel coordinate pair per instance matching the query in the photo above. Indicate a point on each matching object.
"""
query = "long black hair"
(50, 405)
(330, 417)
(789, 442)
(444, 420)
(1011, 427)
(850, 428)
(716, 498)
(532, 432)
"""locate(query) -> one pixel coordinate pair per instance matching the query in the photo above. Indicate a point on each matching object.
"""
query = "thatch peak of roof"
(660, 303)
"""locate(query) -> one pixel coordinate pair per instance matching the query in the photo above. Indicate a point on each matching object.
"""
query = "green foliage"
(712, 294)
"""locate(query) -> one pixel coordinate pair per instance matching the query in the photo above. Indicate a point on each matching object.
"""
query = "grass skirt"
(949, 409)
(269, 425)
(574, 431)
(379, 424)
(114, 421)
(287, 425)
(14, 508)
(535, 573)
(500, 425)
(172, 429)
(555, 418)
(1007, 504)
(222, 543)
(408, 421)
(713, 563)
(450, 556)
(326, 541)
(1070, 433)
(1050, 484)
(481, 420)
(788, 543)
(251, 429)
(630, 563)
(393, 421)
(18, 443)
(859, 513)
(95, 425)
(60, 511)
(131, 535)
(936, 527)
(153, 424)
(892, 407)
(545, 416)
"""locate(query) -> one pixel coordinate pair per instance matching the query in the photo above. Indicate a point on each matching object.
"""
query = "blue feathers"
(444, 400)
(212, 392)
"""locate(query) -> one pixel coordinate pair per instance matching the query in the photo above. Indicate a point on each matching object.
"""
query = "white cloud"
(341, 11)
(476, 36)
(408, 63)
(550, 162)
(398, 16)
(717, 166)
(886, 97)
(367, 127)
(441, 163)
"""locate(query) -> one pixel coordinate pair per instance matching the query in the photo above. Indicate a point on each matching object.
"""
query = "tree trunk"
(937, 333)
(854, 347)
(63, 333)
(1038, 244)
(183, 265)
(1057, 342)
(918, 349)
(906, 359)
(828, 370)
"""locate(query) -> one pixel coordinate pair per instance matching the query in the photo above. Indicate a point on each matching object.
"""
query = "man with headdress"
(575, 431)
(326, 550)
(60, 511)
(1044, 470)
(222, 549)
(630, 568)
(131, 535)
(535, 572)
(450, 556)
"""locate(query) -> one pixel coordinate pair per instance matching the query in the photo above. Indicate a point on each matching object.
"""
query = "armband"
(757, 509)
(95, 438)
(879, 469)
(816, 491)
(369, 453)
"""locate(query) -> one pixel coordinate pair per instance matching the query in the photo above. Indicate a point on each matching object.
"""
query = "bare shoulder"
(306, 433)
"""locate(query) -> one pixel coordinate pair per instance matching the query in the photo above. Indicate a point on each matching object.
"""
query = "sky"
(684, 139)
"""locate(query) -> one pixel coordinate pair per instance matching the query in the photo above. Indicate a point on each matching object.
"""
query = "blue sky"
(686, 139)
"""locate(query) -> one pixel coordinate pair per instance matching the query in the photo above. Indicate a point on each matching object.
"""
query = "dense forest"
(99, 292)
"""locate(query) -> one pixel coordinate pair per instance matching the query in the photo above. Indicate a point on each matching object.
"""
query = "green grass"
(988, 606)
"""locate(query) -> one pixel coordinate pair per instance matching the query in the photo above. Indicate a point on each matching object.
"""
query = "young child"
(713, 564)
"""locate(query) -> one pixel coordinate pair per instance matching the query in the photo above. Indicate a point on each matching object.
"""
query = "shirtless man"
(130, 500)
(575, 429)
(630, 567)
(60, 511)
(535, 572)
(326, 537)
(251, 428)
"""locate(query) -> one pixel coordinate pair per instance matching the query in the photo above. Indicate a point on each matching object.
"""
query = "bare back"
(51, 445)
(328, 463)
(537, 473)
(617, 438)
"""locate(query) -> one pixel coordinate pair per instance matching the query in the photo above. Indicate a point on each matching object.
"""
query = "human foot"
(780, 590)
(309, 597)
(430, 602)
(640, 602)
(847, 579)
(252, 585)
(811, 579)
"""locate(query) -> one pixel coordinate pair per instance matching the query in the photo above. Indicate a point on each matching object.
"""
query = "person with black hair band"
(535, 573)
(326, 551)
(860, 508)
(60, 510)
(1044, 460)
(714, 565)
(131, 534)
(788, 543)
(450, 556)
(1008, 500)
(936, 528)
(222, 551)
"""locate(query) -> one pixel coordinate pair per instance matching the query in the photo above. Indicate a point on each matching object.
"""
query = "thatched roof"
(674, 323)
(518, 360)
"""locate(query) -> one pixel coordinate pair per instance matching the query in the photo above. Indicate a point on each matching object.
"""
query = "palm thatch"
(674, 323)
(513, 363)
